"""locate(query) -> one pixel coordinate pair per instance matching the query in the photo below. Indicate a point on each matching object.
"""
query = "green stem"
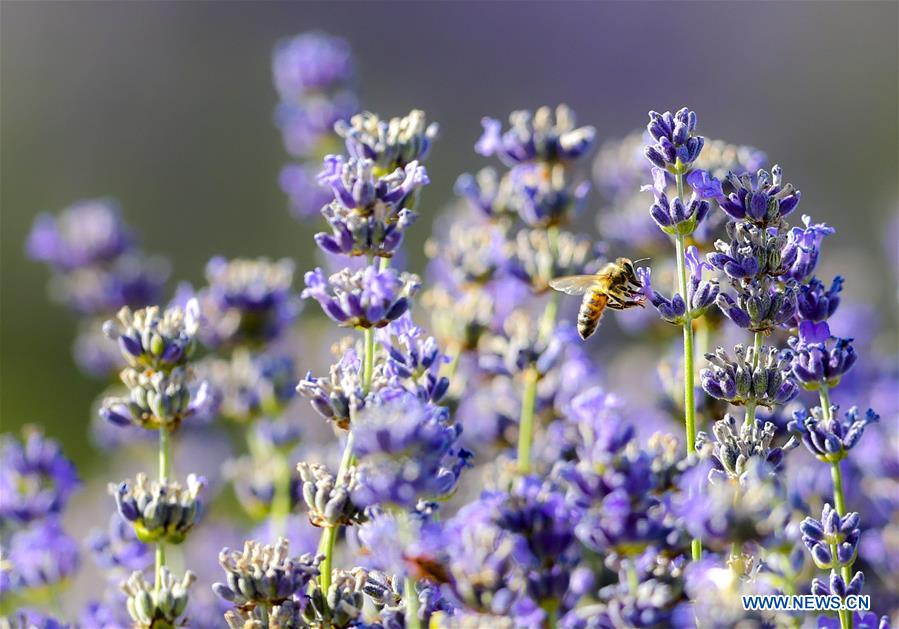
(526, 424)
(548, 321)
(689, 402)
(410, 593)
(165, 470)
(689, 371)
(839, 499)
(751, 404)
(633, 581)
(329, 535)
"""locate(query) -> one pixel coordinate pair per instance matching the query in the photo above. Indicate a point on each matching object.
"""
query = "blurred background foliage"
(168, 107)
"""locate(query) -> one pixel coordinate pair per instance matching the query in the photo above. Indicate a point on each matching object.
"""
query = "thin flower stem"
(529, 396)
(411, 596)
(751, 405)
(526, 425)
(689, 371)
(329, 535)
(839, 498)
(689, 402)
(165, 470)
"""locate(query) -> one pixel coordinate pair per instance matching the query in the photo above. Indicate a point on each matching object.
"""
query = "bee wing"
(574, 284)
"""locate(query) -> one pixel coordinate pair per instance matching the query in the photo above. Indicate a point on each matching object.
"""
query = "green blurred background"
(167, 106)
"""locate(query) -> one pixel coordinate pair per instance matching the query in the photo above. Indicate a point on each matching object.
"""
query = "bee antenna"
(641, 260)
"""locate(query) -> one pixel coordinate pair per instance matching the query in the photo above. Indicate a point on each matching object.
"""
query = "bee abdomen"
(590, 313)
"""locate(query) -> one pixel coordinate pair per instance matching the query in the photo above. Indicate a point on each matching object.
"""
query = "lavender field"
(477, 315)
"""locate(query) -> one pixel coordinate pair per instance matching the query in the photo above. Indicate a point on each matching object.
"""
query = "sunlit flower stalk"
(675, 147)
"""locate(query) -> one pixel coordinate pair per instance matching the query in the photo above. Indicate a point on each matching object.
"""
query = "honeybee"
(615, 285)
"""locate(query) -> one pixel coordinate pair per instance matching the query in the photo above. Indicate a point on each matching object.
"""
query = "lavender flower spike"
(831, 531)
(544, 136)
(154, 339)
(830, 437)
(735, 380)
(161, 511)
(367, 298)
(264, 574)
(676, 143)
(819, 358)
(389, 144)
(763, 199)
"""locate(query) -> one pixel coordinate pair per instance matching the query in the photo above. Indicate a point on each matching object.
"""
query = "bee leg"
(615, 302)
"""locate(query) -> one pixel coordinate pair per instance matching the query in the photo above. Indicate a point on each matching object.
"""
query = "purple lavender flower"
(705, 185)
(389, 144)
(537, 512)
(406, 451)
(544, 136)
(737, 381)
(521, 346)
(157, 605)
(831, 532)
(537, 257)
(311, 63)
(759, 306)
(366, 299)
(836, 586)
(754, 509)
(42, 554)
(160, 510)
(157, 399)
(118, 546)
(313, 74)
(264, 574)
(488, 193)
(676, 143)
(764, 199)
(678, 217)
(369, 215)
(86, 233)
(735, 445)
(829, 436)
(545, 202)
(701, 293)
(341, 394)
(154, 339)
(250, 386)
(414, 359)
(807, 245)
(816, 303)
(36, 479)
(819, 358)
(131, 280)
(479, 558)
(328, 500)
(751, 252)
(247, 301)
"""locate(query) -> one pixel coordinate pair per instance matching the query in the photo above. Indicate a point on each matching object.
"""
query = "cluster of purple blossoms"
(579, 516)
(621, 172)
(406, 451)
(701, 292)
(314, 75)
(158, 346)
(247, 302)
(36, 482)
(97, 269)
